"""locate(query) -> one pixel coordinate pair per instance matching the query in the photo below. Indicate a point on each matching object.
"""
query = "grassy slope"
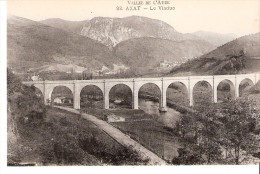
(32, 44)
(249, 44)
(57, 142)
(226, 59)
(147, 52)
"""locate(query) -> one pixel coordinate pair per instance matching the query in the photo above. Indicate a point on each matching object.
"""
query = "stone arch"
(121, 95)
(39, 87)
(60, 92)
(224, 91)
(38, 91)
(202, 93)
(152, 95)
(50, 87)
(185, 83)
(243, 85)
(241, 78)
(150, 83)
(140, 84)
(194, 82)
(100, 85)
(93, 97)
(87, 85)
(178, 92)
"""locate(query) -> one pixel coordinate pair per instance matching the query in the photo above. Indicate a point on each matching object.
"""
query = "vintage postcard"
(133, 83)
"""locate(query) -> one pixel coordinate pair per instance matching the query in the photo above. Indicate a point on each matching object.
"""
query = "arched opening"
(244, 86)
(91, 96)
(225, 91)
(149, 98)
(120, 96)
(202, 94)
(177, 93)
(62, 96)
(38, 93)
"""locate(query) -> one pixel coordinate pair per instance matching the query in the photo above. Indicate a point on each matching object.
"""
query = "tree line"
(226, 133)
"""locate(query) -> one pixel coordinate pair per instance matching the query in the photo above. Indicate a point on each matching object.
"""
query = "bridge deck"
(144, 79)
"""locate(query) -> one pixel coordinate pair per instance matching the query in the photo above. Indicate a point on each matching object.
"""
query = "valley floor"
(144, 129)
(121, 138)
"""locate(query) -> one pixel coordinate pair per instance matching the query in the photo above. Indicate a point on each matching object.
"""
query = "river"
(168, 118)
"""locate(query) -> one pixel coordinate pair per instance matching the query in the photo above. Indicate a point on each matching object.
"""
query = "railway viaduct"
(105, 85)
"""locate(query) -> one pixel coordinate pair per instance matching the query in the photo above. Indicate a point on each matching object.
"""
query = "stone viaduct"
(46, 87)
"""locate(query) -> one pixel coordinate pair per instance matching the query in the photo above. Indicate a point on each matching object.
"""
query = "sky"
(240, 17)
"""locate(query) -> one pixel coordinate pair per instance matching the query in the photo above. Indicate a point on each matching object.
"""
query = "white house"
(35, 78)
(114, 118)
(60, 100)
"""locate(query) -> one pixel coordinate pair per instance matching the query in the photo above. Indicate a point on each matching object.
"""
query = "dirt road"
(120, 137)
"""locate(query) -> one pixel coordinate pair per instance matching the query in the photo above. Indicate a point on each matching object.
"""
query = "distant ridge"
(215, 39)
(241, 55)
(111, 31)
(32, 44)
(147, 52)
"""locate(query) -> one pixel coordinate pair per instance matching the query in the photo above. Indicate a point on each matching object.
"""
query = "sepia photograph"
(133, 83)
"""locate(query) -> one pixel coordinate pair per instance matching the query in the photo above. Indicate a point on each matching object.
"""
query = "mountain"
(249, 44)
(69, 26)
(134, 43)
(111, 31)
(147, 52)
(33, 44)
(241, 55)
(215, 39)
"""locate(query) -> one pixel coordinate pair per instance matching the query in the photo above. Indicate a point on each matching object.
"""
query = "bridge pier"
(163, 101)
(106, 101)
(191, 96)
(76, 101)
(135, 99)
(47, 93)
(215, 94)
(236, 91)
(162, 109)
(76, 96)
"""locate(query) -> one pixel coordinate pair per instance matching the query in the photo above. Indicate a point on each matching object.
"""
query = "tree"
(13, 83)
(239, 120)
(232, 126)
(201, 132)
(187, 157)
(23, 105)
(209, 135)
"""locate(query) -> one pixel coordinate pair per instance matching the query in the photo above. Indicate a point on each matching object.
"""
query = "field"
(144, 128)
(153, 135)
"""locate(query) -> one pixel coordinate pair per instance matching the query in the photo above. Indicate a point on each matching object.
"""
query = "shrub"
(187, 157)
(64, 122)
(121, 156)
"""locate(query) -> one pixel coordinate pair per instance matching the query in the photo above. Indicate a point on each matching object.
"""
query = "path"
(120, 137)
